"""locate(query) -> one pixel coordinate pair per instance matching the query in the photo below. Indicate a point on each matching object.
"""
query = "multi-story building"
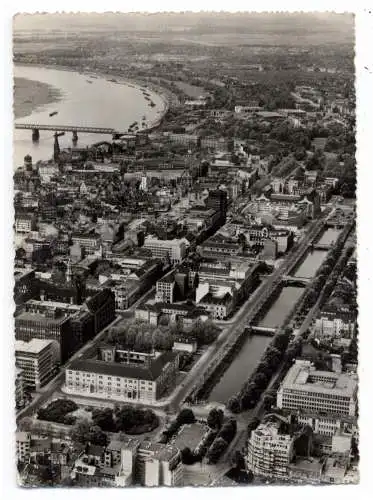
(328, 425)
(19, 388)
(218, 306)
(273, 445)
(123, 381)
(219, 249)
(260, 233)
(110, 466)
(185, 139)
(24, 223)
(23, 445)
(158, 465)
(48, 326)
(165, 288)
(38, 359)
(305, 388)
(175, 249)
(335, 322)
(102, 307)
(215, 143)
(89, 241)
(269, 452)
(91, 475)
(223, 284)
(25, 286)
(218, 200)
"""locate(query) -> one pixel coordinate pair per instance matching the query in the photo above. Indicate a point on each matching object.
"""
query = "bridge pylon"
(35, 134)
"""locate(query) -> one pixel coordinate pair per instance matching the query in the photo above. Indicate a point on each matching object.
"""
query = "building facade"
(269, 452)
(174, 249)
(38, 360)
(123, 381)
(305, 388)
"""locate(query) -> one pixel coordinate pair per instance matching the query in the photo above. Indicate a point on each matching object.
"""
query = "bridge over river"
(36, 127)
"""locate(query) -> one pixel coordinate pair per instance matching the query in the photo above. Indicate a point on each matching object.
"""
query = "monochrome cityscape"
(185, 278)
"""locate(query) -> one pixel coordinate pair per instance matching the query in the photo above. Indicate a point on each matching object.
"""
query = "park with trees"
(131, 420)
(143, 337)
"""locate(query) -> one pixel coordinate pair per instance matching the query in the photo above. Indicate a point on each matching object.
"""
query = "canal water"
(314, 259)
(101, 103)
(241, 368)
(249, 356)
(247, 359)
(281, 307)
(310, 264)
(329, 236)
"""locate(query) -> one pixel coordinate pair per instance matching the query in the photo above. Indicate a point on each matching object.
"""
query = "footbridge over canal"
(263, 330)
(288, 280)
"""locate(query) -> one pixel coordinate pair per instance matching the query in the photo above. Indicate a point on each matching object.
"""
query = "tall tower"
(56, 148)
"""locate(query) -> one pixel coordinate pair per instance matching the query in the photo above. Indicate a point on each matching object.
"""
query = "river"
(101, 103)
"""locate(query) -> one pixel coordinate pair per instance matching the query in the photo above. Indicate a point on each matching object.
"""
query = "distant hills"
(295, 24)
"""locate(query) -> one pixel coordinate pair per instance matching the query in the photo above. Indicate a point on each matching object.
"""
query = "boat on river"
(53, 113)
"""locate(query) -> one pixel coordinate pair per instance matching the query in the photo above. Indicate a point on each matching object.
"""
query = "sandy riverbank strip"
(30, 95)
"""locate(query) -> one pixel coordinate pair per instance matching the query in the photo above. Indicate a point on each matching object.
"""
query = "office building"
(275, 443)
(23, 445)
(165, 288)
(269, 451)
(175, 249)
(52, 325)
(38, 359)
(158, 465)
(305, 388)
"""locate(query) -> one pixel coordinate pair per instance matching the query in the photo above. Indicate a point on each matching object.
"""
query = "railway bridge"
(36, 127)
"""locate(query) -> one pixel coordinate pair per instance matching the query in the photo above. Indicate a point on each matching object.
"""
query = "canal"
(310, 264)
(241, 368)
(253, 348)
(329, 236)
(281, 306)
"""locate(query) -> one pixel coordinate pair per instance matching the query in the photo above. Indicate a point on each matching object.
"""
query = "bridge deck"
(66, 128)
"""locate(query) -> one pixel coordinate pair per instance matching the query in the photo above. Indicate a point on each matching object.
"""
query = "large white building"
(335, 322)
(174, 249)
(38, 360)
(269, 451)
(122, 381)
(306, 389)
(158, 465)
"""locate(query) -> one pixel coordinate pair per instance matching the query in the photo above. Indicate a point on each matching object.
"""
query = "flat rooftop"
(302, 376)
(34, 346)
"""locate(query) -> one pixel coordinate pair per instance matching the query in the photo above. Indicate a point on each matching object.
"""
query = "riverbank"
(139, 84)
(30, 95)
